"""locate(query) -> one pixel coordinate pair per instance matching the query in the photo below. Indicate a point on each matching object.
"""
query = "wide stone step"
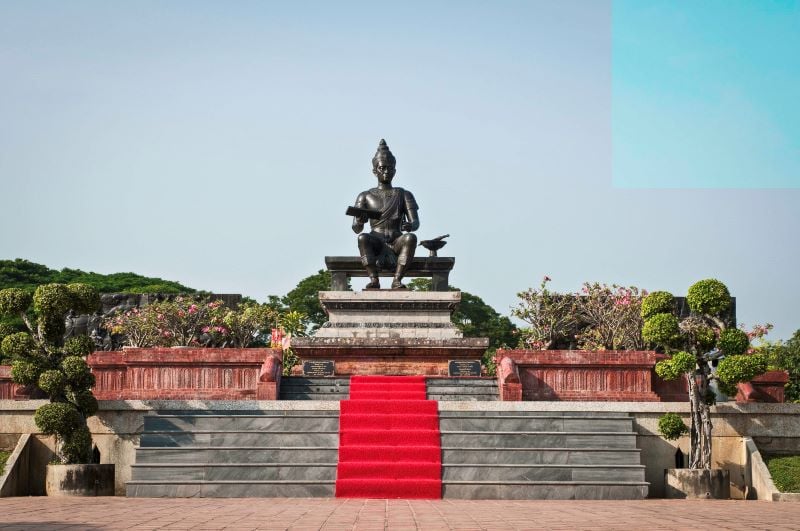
(238, 454)
(231, 489)
(464, 398)
(233, 472)
(536, 456)
(540, 439)
(527, 472)
(525, 423)
(241, 423)
(590, 414)
(543, 490)
(313, 396)
(238, 438)
(462, 382)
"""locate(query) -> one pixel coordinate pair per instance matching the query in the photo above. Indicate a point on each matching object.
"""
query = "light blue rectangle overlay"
(706, 94)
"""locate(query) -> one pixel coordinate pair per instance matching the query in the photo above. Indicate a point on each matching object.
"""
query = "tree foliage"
(28, 275)
(693, 342)
(40, 358)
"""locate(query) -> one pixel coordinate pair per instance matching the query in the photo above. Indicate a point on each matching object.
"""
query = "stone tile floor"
(209, 513)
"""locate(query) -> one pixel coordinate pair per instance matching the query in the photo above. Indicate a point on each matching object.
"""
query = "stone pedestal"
(389, 332)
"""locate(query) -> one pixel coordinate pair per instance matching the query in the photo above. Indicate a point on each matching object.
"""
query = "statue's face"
(384, 171)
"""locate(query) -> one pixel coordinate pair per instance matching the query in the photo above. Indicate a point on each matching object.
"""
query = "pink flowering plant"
(610, 317)
(245, 325)
(552, 317)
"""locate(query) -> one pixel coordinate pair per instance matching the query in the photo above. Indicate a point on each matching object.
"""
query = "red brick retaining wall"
(186, 374)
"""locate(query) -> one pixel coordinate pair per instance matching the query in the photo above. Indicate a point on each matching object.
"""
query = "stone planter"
(80, 480)
(703, 483)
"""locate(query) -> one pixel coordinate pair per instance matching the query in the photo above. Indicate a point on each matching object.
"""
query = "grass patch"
(3, 458)
(785, 471)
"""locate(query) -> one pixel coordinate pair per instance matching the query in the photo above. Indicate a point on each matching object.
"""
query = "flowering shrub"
(189, 321)
(553, 318)
(600, 317)
(610, 317)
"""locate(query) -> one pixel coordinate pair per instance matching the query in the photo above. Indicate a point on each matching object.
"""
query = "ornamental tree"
(42, 359)
(692, 343)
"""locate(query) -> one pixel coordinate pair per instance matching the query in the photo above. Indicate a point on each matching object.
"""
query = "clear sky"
(219, 143)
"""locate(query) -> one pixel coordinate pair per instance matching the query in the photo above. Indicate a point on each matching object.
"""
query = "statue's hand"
(358, 227)
(406, 227)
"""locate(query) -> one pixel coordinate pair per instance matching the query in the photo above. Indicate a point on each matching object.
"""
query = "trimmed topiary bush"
(693, 343)
(710, 297)
(661, 329)
(41, 358)
(657, 302)
(672, 427)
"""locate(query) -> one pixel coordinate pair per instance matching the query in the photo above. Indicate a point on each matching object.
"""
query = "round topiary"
(14, 301)
(24, 372)
(79, 346)
(678, 364)
(657, 302)
(52, 382)
(660, 329)
(708, 296)
(17, 345)
(742, 368)
(58, 418)
(77, 447)
(50, 300)
(733, 342)
(671, 426)
(85, 298)
(77, 372)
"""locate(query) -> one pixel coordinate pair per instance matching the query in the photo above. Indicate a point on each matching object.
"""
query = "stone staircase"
(228, 454)
(462, 389)
(308, 388)
(540, 455)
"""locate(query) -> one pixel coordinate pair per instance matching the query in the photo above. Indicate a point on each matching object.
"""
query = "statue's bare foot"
(373, 284)
(397, 284)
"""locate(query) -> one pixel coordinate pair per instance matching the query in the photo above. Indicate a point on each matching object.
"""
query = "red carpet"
(389, 442)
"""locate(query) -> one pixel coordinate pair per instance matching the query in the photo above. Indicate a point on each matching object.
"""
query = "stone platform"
(389, 332)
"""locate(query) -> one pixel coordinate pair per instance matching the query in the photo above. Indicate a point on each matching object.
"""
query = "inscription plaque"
(318, 368)
(464, 367)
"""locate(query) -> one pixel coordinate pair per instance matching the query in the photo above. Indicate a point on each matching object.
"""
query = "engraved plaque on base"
(464, 368)
(318, 368)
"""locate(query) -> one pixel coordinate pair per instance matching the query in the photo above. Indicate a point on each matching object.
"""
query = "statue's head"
(383, 163)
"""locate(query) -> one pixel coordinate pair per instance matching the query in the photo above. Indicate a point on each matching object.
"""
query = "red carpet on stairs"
(389, 442)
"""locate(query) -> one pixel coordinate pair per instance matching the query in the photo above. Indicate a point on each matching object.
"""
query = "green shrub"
(3, 458)
(743, 368)
(660, 329)
(83, 298)
(17, 345)
(673, 367)
(86, 402)
(77, 371)
(733, 342)
(79, 346)
(52, 382)
(671, 426)
(77, 447)
(52, 300)
(58, 418)
(25, 372)
(785, 472)
(708, 296)
(657, 302)
(14, 301)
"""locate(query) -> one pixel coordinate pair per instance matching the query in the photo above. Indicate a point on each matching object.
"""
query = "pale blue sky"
(218, 143)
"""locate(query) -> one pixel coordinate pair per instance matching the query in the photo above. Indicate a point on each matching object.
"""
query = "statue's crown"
(383, 153)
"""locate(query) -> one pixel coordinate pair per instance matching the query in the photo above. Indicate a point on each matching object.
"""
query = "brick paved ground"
(142, 513)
